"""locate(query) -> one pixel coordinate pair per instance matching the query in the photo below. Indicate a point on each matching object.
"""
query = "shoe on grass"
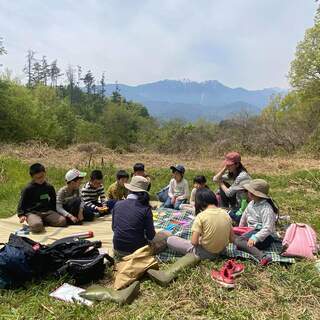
(265, 261)
(223, 277)
(235, 268)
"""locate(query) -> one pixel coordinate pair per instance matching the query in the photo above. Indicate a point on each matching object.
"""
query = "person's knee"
(61, 222)
(36, 227)
(171, 240)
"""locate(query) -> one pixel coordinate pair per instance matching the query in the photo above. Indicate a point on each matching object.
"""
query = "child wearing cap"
(117, 190)
(69, 202)
(178, 188)
(37, 203)
(229, 178)
(93, 196)
(260, 215)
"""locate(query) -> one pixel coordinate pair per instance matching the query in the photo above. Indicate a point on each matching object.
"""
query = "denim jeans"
(176, 206)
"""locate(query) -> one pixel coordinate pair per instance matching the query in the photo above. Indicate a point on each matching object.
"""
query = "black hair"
(204, 197)
(122, 174)
(274, 206)
(143, 198)
(96, 175)
(138, 167)
(36, 168)
(239, 169)
(175, 170)
(200, 179)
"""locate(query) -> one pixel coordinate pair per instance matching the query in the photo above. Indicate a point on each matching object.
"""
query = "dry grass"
(82, 155)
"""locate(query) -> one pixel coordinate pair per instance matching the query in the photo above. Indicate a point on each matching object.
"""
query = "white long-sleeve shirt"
(180, 190)
(259, 215)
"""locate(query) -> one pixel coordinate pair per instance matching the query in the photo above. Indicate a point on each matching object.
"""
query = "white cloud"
(245, 43)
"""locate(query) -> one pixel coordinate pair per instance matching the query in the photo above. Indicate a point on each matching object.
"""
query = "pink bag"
(239, 231)
(300, 240)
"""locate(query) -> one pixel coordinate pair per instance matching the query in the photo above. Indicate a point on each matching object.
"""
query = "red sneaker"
(265, 261)
(223, 278)
(235, 268)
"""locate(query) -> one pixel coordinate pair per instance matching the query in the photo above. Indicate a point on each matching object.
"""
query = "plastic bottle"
(83, 235)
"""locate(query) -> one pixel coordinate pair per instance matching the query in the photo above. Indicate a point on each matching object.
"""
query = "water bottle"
(83, 235)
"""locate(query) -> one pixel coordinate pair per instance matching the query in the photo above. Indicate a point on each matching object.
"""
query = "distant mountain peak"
(189, 99)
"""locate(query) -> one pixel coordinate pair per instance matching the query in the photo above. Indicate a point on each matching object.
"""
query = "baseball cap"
(73, 174)
(232, 158)
(180, 168)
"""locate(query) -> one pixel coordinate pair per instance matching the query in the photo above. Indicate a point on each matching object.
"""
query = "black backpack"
(22, 259)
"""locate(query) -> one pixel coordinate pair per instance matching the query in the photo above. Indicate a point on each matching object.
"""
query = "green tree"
(304, 74)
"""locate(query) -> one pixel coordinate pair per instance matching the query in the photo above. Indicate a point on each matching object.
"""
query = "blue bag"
(163, 194)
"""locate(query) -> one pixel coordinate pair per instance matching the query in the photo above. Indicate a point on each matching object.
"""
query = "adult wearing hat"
(132, 220)
(260, 215)
(178, 192)
(230, 178)
(69, 202)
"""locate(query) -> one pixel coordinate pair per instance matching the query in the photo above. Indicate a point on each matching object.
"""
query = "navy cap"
(180, 168)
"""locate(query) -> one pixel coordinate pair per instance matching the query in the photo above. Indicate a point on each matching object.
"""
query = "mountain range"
(190, 100)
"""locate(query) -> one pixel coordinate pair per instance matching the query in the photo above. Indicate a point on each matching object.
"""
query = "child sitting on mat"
(93, 196)
(199, 182)
(260, 214)
(117, 191)
(69, 203)
(178, 188)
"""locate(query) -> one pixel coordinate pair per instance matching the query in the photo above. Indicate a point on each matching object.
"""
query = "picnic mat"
(179, 224)
(101, 228)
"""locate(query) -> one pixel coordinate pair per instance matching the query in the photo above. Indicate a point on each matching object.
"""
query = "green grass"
(275, 292)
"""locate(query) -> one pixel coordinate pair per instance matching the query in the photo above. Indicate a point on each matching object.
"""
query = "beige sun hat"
(138, 184)
(258, 187)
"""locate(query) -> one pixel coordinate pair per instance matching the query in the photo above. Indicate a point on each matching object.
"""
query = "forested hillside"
(54, 108)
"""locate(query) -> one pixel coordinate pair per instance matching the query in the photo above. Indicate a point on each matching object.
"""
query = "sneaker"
(265, 261)
(223, 277)
(235, 268)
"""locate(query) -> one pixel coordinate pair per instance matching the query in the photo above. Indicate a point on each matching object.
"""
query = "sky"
(241, 43)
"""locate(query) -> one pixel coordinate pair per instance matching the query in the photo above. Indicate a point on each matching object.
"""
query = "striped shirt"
(90, 196)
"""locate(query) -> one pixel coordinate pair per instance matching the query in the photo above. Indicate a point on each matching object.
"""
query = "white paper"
(70, 293)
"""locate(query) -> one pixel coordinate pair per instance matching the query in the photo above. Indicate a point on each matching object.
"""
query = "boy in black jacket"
(37, 203)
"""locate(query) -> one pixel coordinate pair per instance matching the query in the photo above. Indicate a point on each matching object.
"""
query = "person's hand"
(22, 219)
(102, 209)
(251, 243)
(73, 218)
(80, 216)
(173, 200)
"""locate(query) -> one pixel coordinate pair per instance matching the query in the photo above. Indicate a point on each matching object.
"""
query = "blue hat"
(180, 168)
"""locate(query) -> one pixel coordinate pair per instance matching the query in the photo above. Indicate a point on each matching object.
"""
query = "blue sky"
(247, 43)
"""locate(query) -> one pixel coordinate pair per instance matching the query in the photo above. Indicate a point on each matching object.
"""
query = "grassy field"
(275, 292)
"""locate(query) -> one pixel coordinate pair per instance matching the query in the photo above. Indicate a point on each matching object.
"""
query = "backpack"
(84, 271)
(300, 240)
(163, 194)
(23, 259)
(14, 268)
